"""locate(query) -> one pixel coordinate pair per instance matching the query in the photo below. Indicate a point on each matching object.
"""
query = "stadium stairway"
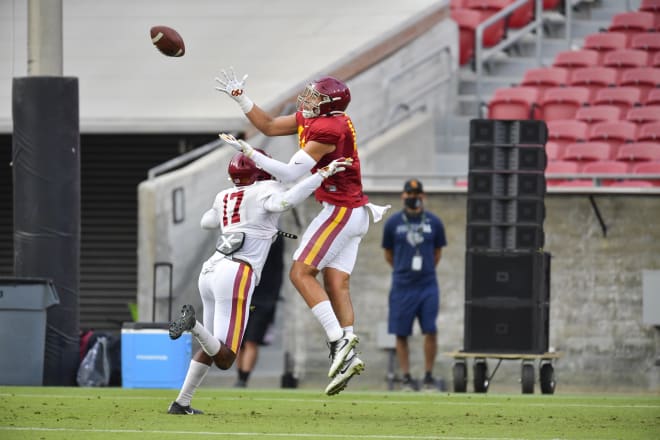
(508, 67)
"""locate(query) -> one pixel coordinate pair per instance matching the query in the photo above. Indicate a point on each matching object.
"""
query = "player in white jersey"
(247, 216)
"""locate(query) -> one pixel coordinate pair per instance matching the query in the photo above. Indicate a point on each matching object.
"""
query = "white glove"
(238, 144)
(234, 89)
(334, 167)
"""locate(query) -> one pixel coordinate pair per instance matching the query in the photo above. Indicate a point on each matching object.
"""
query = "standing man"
(330, 243)
(247, 215)
(413, 239)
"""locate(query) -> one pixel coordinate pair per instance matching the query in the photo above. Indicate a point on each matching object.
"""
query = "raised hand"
(234, 88)
(334, 167)
(238, 144)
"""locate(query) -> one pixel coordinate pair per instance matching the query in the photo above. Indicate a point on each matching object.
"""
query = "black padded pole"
(46, 172)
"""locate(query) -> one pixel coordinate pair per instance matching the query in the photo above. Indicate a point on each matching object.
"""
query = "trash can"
(23, 304)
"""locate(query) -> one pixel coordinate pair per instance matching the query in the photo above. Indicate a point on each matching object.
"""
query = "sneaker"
(339, 350)
(429, 384)
(184, 322)
(240, 383)
(409, 384)
(351, 367)
(175, 408)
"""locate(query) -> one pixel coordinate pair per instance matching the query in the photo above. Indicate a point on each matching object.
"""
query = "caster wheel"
(527, 378)
(480, 368)
(547, 379)
(460, 377)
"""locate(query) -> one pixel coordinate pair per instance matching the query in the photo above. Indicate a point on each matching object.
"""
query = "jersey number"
(231, 206)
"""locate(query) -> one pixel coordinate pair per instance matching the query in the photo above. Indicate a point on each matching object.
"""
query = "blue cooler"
(150, 359)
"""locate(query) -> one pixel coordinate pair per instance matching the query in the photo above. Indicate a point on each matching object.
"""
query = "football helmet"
(323, 96)
(243, 171)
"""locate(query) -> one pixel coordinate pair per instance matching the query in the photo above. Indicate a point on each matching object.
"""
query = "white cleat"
(353, 366)
(339, 351)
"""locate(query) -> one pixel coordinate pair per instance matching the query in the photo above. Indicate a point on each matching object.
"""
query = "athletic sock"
(194, 377)
(348, 329)
(326, 316)
(210, 344)
(243, 375)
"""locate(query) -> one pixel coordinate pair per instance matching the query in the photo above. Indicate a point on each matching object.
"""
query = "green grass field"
(106, 413)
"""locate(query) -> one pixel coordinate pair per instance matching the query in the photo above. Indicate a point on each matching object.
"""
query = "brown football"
(167, 41)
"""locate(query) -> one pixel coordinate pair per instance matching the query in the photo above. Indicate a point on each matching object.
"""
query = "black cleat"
(183, 323)
(175, 408)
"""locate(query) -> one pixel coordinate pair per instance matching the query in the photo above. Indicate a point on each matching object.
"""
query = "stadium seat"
(564, 132)
(458, 4)
(648, 41)
(513, 103)
(467, 21)
(545, 77)
(645, 78)
(639, 152)
(631, 23)
(553, 150)
(519, 18)
(560, 167)
(551, 4)
(652, 6)
(621, 59)
(603, 42)
(614, 133)
(575, 59)
(605, 167)
(563, 102)
(584, 152)
(642, 115)
(622, 97)
(594, 78)
(598, 113)
(647, 168)
(653, 98)
(655, 62)
(494, 33)
(649, 132)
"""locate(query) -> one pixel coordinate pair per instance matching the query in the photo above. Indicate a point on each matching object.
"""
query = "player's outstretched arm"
(299, 165)
(228, 84)
(300, 191)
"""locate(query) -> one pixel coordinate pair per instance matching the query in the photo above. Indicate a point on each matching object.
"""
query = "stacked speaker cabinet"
(507, 287)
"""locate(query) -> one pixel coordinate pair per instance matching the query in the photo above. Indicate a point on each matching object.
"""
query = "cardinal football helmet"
(243, 171)
(323, 96)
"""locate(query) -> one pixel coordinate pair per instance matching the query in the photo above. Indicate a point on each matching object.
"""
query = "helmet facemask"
(310, 100)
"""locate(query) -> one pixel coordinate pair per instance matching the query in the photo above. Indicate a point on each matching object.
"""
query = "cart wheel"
(547, 378)
(460, 377)
(527, 378)
(480, 368)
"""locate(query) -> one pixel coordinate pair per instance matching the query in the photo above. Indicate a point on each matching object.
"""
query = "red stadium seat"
(614, 133)
(551, 4)
(513, 103)
(648, 168)
(565, 132)
(649, 132)
(563, 102)
(467, 21)
(621, 59)
(519, 18)
(652, 6)
(632, 23)
(594, 78)
(575, 59)
(553, 150)
(645, 78)
(648, 41)
(560, 167)
(642, 115)
(639, 152)
(598, 113)
(583, 152)
(655, 62)
(653, 98)
(622, 97)
(605, 167)
(603, 42)
(458, 4)
(545, 77)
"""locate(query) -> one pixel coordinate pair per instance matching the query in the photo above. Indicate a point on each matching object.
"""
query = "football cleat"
(185, 322)
(353, 366)
(176, 408)
(339, 350)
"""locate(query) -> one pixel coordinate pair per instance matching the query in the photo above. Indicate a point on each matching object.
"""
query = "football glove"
(234, 88)
(334, 167)
(238, 144)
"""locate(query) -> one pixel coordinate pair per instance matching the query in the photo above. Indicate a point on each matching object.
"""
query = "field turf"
(109, 413)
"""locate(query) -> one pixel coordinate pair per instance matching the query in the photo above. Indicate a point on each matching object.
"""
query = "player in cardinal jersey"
(247, 216)
(330, 243)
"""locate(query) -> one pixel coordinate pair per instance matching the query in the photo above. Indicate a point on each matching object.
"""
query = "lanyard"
(420, 229)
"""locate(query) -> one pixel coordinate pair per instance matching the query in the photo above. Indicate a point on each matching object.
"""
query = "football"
(167, 41)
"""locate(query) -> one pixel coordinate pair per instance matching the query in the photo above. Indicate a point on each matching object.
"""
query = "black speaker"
(506, 184)
(512, 132)
(507, 158)
(510, 327)
(494, 210)
(507, 276)
(502, 237)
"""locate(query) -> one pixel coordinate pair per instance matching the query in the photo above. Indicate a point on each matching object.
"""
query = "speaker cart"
(482, 379)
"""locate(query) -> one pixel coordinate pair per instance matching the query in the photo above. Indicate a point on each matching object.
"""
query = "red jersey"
(345, 188)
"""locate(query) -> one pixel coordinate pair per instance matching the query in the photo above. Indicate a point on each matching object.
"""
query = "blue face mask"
(412, 202)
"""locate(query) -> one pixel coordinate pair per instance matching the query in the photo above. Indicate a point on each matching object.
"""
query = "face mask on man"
(412, 202)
